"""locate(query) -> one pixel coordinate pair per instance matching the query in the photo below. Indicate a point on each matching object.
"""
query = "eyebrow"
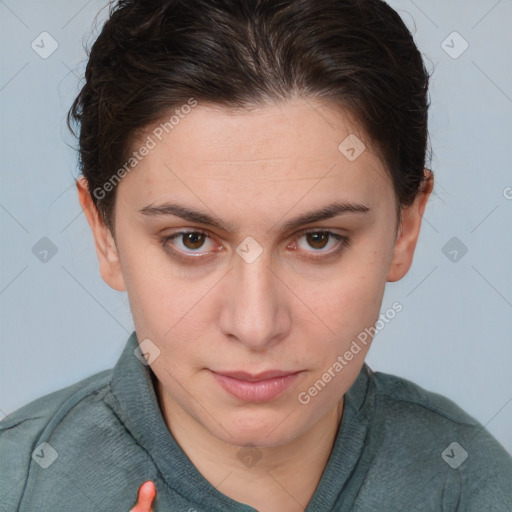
(329, 211)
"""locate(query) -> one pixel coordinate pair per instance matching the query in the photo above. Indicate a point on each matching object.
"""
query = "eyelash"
(344, 242)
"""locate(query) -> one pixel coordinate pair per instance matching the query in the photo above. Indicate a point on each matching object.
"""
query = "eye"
(319, 240)
(187, 243)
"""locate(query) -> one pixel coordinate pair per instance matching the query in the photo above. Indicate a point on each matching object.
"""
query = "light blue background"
(60, 322)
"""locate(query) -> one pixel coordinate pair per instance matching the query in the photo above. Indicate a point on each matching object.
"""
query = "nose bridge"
(254, 313)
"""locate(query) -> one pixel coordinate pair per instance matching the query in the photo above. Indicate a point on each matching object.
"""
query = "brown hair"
(154, 55)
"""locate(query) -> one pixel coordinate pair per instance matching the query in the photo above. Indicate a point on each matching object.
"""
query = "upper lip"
(255, 377)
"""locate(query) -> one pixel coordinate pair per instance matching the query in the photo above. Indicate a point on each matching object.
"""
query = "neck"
(270, 478)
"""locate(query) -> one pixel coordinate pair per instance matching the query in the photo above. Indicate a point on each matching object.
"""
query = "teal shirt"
(398, 448)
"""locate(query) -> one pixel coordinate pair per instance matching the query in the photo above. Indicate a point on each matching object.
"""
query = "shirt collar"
(134, 400)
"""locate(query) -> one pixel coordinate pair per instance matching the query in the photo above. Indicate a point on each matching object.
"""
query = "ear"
(409, 231)
(106, 249)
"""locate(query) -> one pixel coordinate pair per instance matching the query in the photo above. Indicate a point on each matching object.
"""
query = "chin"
(266, 429)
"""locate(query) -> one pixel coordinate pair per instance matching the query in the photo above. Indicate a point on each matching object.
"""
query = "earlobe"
(106, 249)
(409, 230)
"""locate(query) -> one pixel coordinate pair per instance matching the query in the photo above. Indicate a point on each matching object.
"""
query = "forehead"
(286, 147)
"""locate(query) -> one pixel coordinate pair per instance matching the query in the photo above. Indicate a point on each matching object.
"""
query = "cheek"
(154, 301)
(176, 316)
(348, 305)
(352, 296)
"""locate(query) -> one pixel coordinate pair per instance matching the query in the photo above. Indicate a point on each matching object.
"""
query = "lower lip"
(261, 391)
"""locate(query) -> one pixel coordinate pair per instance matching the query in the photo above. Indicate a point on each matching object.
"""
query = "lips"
(260, 387)
(270, 374)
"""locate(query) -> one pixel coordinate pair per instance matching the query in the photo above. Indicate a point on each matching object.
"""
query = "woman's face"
(253, 292)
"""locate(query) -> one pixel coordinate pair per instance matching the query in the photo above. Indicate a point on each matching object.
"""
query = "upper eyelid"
(297, 233)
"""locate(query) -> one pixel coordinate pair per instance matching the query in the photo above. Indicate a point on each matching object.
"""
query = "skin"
(145, 497)
(255, 169)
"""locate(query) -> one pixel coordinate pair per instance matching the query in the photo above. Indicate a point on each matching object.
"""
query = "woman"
(253, 175)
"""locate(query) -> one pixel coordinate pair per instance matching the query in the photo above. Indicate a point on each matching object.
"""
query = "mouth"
(257, 388)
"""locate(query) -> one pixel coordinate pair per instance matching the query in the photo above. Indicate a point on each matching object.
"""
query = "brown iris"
(318, 240)
(196, 240)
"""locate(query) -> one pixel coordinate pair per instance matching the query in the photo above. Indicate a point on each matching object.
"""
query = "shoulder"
(407, 397)
(430, 433)
(21, 431)
(43, 408)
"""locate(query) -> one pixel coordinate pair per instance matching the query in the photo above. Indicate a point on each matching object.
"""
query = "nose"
(254, 308)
